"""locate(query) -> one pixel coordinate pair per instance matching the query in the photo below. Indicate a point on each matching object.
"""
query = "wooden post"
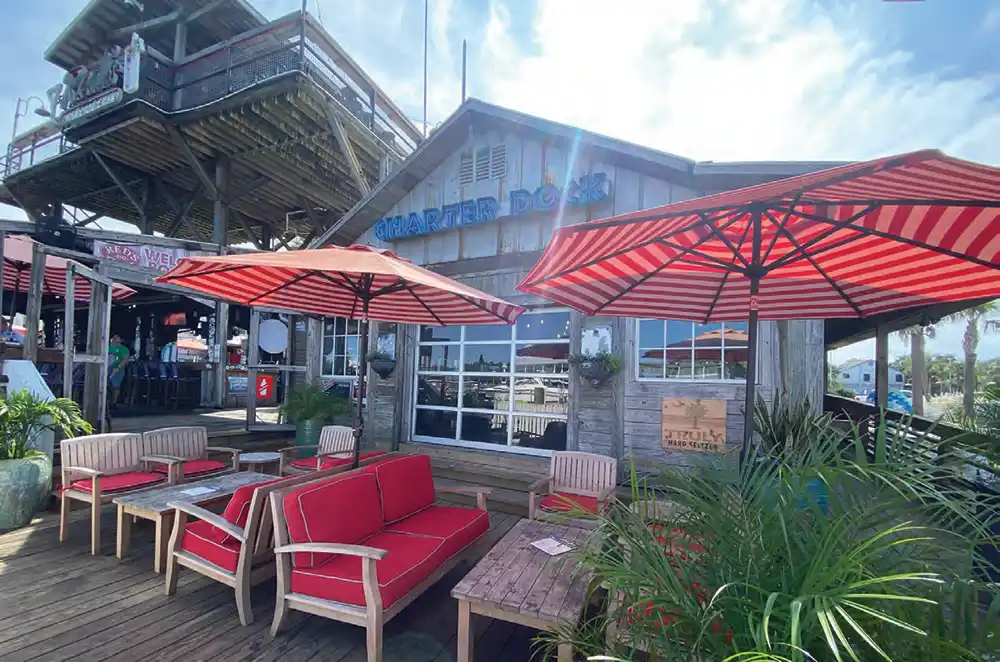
(34, 308)
(919, 369)
(220, 229)
(881, 367)
(314, 349)
(253, 358)
(180, 50)
(69, 322)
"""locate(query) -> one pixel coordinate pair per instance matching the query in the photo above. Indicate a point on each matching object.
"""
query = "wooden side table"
(521, 584)
(260, 461)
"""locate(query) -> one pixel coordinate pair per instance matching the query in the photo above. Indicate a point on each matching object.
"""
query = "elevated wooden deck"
(57, 602)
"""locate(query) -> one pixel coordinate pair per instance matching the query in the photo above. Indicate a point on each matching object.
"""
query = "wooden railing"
(912, 434)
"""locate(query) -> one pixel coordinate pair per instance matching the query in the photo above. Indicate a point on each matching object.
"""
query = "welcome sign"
(585, 191)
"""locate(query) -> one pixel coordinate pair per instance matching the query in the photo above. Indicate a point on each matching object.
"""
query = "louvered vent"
(482, 164)
(465, 175)
(498, 162)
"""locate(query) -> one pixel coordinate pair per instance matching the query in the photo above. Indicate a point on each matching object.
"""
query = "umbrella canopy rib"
(846, 224)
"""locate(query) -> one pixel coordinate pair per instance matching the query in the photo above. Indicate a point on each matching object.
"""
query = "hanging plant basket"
(382, 364)
(597, 368)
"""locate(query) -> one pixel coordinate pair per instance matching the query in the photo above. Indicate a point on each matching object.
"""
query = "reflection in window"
(501, 385)
(687, 350)
(340, 347)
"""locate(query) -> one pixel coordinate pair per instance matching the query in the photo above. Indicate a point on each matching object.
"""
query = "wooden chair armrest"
(289, 449)
(332, 453)
(606, 494)
(162, 459)
(207, 516)
(93, 473)
(332, 548)
(479, 492)
(540, 484)
(223, 449)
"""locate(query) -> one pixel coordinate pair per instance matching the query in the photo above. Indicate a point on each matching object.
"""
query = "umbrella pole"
(359, 424)
(751, 388)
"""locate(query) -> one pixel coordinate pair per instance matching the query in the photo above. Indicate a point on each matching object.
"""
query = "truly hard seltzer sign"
(694, 425)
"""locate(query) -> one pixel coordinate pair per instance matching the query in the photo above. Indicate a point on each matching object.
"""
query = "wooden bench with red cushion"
(361, 546)
(185, 450)
(236, 547)
(335, 449)
(578, 483)
(97, 468)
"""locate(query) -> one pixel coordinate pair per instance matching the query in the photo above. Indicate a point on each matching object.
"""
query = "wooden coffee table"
(518, 583)
(151, 504)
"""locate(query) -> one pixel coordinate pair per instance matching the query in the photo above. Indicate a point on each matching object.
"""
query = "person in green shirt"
(118, 358)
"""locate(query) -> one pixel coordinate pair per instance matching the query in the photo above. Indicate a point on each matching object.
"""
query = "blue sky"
(706, 79)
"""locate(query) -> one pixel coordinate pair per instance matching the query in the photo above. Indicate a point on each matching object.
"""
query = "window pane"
(538, 432)
(352, 366)
(353, 327)
(328, 364)
(437, 390)
(440, 333)
(439, 358)
(490, 332)
(339, 365)
(651, 333)
(548, 357)
(487, 358)
(542, 396)
(736, 363)
(651, 362)
(433, 423)
(485, 393)
(679, 334)
(485, 428)
(338, 325)
(352, 346)
(678, 364)
(736, 334)
(708, 335)
(339, 345)
(328, 326)
(545, 326)
(708, 363)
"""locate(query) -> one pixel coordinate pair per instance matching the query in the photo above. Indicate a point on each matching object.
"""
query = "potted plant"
(597, 368)
(382, 363)
(25, 471)
(309, 407)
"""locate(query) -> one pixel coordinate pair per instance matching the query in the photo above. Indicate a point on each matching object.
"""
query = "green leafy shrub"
(23, 417)
(311, 402)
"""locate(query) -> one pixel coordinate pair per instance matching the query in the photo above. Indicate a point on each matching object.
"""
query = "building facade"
(478, 201)
(859, 376)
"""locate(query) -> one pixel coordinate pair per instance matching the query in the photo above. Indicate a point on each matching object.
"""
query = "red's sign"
(265, 387)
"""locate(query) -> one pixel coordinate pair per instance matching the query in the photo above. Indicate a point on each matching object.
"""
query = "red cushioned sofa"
(359, 547)
(236, 547)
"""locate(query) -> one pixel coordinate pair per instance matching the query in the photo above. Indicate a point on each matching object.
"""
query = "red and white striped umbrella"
(852, 241)
(17, 256)
(359, 282)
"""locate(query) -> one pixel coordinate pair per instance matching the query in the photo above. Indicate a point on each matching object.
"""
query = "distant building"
(859, 376)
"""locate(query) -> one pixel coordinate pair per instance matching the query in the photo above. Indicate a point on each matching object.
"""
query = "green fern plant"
(23, 417)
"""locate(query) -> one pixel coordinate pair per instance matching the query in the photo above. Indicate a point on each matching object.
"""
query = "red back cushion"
(406, 485)
(342, 510)
(238, 509)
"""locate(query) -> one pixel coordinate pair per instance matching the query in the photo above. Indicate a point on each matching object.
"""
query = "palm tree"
(974, 325)
(918, 362)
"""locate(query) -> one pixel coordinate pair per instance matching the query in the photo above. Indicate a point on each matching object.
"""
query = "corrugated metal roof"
(86, 38)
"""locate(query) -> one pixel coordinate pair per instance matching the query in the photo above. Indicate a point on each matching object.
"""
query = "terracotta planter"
(383, 367)
(24, 489)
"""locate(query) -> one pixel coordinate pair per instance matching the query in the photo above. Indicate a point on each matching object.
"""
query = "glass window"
(341, 342)
(674, 349)
(513, 382)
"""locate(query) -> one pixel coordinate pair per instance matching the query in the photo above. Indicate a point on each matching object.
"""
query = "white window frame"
(512, 375)
(345, 335)
(684, 380)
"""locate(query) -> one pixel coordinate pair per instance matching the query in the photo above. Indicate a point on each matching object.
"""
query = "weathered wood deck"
(57, 602)
(214, 420)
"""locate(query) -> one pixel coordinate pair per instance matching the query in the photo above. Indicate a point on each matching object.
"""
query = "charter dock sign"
(694, 425)
(587, 190)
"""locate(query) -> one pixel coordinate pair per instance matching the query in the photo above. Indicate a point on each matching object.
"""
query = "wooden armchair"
(97, 468)
(186, 450)
(236, 547)
(335, 449)
(577, 481)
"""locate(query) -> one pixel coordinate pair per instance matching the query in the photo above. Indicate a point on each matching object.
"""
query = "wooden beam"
(178, 138)
(88, 220)
(242, 220)
(181, 211)
(198, 13)
(348, 151)
(316, 222)
(33, 310)
(122, 186)
(16, 197)
(166, 19)
(255, 184)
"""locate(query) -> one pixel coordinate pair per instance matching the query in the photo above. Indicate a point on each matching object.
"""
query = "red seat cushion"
(212, 544)
(332, 461)
(238, 509)
(559, 502)
(196, 467)
(459, 527)
(409, 561)
(343, 509)
(121, 482)
(405, 484)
